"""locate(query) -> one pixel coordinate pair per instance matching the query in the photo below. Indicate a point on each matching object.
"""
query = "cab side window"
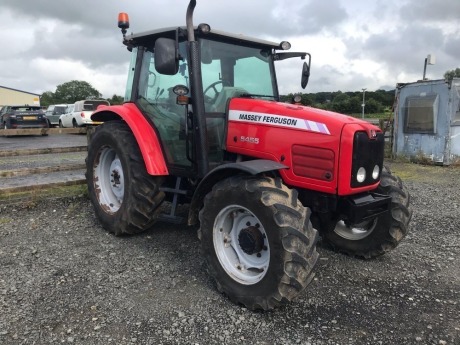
(158, 101)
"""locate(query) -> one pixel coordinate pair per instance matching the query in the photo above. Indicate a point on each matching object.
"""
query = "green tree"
(47, 98)
(342, 103)
(116, 100)
(449, 75)
(373, 106)
(75, 90)
(356, 104)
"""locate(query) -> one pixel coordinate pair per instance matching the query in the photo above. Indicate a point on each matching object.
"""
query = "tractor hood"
(313, 143)
(292, 116)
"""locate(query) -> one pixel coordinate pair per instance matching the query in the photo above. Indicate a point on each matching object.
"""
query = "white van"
(81, 114)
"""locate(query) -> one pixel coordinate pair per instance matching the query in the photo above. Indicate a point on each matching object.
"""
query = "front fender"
(143, 131)
(253, 167)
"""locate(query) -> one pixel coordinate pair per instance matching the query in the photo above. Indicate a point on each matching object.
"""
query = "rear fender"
(143, 131)
(253, 167)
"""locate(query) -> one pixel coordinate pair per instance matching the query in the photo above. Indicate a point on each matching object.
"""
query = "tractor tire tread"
(298, 239)
(142, 211)
(400, 214)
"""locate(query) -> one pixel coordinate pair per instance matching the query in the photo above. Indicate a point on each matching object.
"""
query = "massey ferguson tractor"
(202, 127)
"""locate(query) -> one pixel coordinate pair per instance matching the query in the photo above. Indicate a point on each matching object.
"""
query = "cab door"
(157, 101)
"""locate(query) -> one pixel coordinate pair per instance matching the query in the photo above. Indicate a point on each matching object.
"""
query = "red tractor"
(202, 125)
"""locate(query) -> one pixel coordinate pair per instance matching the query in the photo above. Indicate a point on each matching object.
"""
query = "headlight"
(285, 45)
(204, 28)
(376, 172)
(361, 175)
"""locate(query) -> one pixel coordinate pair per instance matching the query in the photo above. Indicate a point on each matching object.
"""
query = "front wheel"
(375, 237)
(257, 240)
(124, 195)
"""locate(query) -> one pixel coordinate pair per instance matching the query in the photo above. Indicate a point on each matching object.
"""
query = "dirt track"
(63, 279)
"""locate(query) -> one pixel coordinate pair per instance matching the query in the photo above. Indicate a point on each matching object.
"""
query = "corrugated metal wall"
(17, 97)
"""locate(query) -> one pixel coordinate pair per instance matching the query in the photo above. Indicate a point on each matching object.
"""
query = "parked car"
(66, 118)
(54, 111)
(81, 114)
(22, 116)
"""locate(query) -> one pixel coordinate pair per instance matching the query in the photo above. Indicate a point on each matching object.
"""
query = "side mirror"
(165, 56)
(305, 75)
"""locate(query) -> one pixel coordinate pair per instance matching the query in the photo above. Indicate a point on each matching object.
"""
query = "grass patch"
(433, 174)
(32, 198)
(4, 220)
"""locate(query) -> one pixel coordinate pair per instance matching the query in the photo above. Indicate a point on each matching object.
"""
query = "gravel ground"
(38, 142)
(63, 279)
(42, 160)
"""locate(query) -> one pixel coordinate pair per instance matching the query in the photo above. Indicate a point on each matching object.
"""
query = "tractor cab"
(184, 87)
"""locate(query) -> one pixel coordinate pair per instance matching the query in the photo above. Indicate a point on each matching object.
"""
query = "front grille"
(366, 153)
(313, 162)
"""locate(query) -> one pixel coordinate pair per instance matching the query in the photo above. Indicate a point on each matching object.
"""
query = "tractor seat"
(227, 92)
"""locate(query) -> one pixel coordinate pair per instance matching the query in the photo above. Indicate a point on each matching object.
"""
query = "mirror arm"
(284, 56)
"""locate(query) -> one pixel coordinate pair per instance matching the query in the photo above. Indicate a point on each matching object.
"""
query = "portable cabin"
(427, 121)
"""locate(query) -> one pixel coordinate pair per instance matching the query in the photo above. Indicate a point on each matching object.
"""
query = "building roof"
(30, 93)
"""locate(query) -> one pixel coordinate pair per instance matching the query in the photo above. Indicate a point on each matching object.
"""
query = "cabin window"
(456, 119)
(420, 113)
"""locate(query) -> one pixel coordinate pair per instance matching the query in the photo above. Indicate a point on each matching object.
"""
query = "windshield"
(230, 70)
(92, 105)
(59, 110)
(25, 108)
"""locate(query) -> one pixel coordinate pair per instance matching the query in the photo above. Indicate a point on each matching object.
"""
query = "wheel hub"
(251, 240)
(109, 180)
(116, 178)
(240, 244)
(355, 232)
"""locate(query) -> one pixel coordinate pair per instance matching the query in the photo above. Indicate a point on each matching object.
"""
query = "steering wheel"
(213, 87)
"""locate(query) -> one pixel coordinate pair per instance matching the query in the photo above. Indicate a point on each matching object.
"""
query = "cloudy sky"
(354, 44)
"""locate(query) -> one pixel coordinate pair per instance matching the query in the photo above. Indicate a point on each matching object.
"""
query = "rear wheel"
(124, 195)
(257, 240)
(60, 124)
(74, 123)
(375, 237)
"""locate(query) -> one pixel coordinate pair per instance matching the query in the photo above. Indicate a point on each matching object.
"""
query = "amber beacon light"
(123, 21)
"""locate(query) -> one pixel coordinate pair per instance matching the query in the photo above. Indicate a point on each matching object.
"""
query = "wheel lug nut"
(248, 224)
(259, 255)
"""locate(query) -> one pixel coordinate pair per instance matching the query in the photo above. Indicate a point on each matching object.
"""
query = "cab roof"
(147, 38)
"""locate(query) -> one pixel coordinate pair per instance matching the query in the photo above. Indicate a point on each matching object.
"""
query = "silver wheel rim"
(355, 232)
(109, 180)
(234, 227)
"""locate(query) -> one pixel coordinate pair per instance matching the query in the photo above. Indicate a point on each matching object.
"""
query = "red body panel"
(145, 135)
(321, 141)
